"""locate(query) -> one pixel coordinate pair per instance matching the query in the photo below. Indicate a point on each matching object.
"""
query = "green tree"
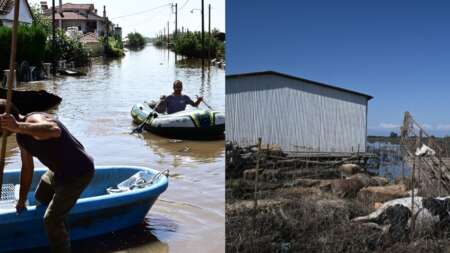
(40, 19)
(31, 43)
(190, 44)
(135, 41)
(67, 49)
(393, 135)
(114, 47)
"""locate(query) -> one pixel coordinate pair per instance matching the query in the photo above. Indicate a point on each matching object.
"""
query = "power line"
(145, 21)
(187, 1)
(144, 11)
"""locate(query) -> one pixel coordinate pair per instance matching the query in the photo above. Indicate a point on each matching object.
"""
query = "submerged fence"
(431, 171)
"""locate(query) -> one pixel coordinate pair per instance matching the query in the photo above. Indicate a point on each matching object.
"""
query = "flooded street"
(189, 216)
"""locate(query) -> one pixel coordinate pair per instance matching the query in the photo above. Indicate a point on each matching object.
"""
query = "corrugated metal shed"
(295, 113)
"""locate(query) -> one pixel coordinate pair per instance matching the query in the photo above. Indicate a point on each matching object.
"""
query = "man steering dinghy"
(178, 123)
(176, 102)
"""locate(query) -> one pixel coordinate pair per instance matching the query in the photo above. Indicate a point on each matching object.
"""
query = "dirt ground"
(299, 219)
(290, 217)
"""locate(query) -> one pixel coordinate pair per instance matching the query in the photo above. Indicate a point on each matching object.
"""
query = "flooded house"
(7, 13)
(294, 113)
(85, 17)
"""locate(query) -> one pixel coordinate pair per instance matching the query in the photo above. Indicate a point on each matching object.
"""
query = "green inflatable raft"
(190, 125)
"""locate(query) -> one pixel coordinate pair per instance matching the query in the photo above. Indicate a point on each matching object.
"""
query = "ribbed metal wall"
(294, 114)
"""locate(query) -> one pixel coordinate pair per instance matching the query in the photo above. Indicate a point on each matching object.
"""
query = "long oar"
(141, 126)
(209, 107)
(11, 77)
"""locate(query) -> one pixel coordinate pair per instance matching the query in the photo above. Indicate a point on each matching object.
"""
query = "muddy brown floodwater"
(189, 216)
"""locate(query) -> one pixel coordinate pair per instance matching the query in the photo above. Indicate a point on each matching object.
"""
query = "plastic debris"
(425, 151)
(137, 181)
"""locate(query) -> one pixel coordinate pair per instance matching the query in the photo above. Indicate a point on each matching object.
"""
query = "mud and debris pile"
(342, 210)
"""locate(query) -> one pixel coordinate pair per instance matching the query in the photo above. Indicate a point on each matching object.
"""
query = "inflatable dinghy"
(192, 125)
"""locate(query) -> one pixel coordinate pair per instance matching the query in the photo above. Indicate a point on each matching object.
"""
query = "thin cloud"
(427, 126)
(389, 126)
(443, 127)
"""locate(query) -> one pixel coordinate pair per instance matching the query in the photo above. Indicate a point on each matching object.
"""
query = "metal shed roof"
(297, 78)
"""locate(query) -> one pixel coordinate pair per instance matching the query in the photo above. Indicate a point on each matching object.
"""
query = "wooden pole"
(413, 217)
(176, 20)
(257, 174)
(255, 196)
(209, 32)
(203, 33)
(11, 77)
(53, 39)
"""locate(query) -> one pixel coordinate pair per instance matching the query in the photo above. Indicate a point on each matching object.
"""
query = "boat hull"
(212, 133)
(93, 214)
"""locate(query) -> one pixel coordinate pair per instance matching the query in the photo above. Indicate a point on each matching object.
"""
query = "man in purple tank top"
(177, 102)
(71, 169)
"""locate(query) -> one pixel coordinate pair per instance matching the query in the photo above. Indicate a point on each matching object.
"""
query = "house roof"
(89, 38)
(95, 16)
(6, 6)
(70, 6)
(68, 15)
(298, 79)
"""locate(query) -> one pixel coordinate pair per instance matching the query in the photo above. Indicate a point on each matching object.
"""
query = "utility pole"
(176, 20)
(53, 40)
(107, 22)
(168, 34)
(209, 31)
(203, 31)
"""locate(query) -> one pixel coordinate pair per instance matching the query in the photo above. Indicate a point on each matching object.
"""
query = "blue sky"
(396, 51)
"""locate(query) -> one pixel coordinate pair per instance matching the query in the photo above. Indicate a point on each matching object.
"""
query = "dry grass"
(300, 219)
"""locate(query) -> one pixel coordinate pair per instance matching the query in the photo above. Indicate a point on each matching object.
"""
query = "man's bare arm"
(41, 127)
(26, 176)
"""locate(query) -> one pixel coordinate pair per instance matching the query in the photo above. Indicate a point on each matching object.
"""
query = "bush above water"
(135, 41)
(68, 49)
(31, 41)
(114, 48)
(190, 44)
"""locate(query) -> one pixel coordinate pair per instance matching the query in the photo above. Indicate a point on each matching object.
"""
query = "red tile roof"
(68, 15)
(71, 7)
(76, 6)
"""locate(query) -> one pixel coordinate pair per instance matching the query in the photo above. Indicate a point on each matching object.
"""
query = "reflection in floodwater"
(139, 238)
(196, 151)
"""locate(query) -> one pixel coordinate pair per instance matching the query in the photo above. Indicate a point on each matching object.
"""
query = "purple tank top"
(65, 156)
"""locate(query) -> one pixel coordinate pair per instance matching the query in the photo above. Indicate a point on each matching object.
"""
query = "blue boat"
(102, 208)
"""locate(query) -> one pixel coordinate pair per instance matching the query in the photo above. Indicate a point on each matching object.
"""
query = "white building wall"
(294, 114)
(74, 23)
